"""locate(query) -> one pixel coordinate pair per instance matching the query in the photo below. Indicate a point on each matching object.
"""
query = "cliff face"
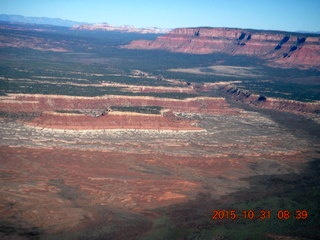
(286, 49)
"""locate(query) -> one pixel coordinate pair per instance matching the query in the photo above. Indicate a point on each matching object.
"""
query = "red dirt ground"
(61, 190)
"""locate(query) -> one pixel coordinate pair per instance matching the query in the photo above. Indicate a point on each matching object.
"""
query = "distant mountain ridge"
(39, 20)
(80, 25)
(126, 28)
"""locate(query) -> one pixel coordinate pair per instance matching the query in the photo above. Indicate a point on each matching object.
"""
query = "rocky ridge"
(278, 104)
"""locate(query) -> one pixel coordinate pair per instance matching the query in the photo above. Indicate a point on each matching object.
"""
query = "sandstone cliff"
(280, 48)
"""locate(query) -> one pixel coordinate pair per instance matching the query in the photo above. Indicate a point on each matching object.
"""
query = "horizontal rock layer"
(93, 113)
(110, 121)
(40, 103)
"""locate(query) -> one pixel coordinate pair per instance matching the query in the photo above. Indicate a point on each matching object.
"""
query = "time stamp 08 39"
(282, 214)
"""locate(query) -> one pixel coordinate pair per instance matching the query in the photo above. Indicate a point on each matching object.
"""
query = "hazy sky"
(290, 15)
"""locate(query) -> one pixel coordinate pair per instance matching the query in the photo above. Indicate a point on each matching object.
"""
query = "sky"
(287, 15)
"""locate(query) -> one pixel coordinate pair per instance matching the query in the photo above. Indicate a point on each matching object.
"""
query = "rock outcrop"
(281, 48)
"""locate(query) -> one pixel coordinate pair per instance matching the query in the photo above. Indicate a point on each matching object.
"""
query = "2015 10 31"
(245, 214)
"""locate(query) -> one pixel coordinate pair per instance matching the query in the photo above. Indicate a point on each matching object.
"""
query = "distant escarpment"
(284, 49)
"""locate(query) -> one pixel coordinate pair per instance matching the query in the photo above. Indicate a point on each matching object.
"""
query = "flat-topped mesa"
(284, 48)
(109, 112)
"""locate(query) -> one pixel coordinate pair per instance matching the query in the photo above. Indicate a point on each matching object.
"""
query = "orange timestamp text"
(219, 214)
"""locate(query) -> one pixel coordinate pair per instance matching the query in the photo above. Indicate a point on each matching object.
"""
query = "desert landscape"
(111, 133)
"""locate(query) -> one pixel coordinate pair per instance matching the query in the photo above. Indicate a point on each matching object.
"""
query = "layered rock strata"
(95, 113)
(281, 48)
(40, 103)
